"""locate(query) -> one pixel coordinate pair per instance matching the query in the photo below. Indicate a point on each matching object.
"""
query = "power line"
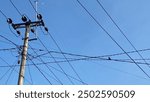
(79, 55)
(10, 74)
(33, 6)
(3, 14)
(15, 7)
(115, 69)
(59, 70)
(5, 74)
(9, 40)
(12, 31)
(7, 49)
(40, 71)
(50, 76)
(112, 38)
(90, 59)
(4, 42)
(121, 31)
(43, 73)
(47, 67)
(64, 56)
(94, 59)
(30, 75)
(58, 48)
(8, 24)
(69, 75)
(56, 61)
(10, 67)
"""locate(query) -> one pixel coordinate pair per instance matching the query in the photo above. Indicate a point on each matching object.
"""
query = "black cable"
(55, 61)
(95, 58)
(68, 75)
(88, 59)
(33, 6)
(9, 40)
(47, 49)
(64, 56)
(115, 69)
(3, 14)
(12, 31)
(15, 7)
(50, 76)
(47, 66)
(112, 38)
(8, 24)
(121, 31)
(40, 71)
(10, 67)
(7, 49)
(139, 59)
(78, 55)
(30, 75)
(10, 74)
(59, 49)
(4, 42)
(5, 74)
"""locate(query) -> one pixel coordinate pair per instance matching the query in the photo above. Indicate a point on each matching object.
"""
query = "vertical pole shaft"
(24, 56)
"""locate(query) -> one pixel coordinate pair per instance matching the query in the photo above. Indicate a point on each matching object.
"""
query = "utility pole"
(24, 56)
(27, 25)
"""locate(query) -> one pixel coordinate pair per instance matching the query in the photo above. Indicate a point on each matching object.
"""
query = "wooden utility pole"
(24, 56)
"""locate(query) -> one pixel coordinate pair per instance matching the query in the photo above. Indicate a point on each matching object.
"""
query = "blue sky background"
(76, 32)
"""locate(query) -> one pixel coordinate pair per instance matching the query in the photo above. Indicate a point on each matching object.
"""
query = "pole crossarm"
(32, 24)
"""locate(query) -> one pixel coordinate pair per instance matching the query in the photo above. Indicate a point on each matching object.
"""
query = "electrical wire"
(4, 42)
(59, 49)
(79, 55)
(119, 70)
(3, 14)
(7, 49)
(30, 75)
(95, 59)
(10, 67)
(9, 40)
(8, 24)
(12, 31)
(13, 68)
(47, 66)
(40, 71)
(72, 67)
(121, 31)
(68, 75)
(15, 7)
(55, 61)
(111, 37)
(5, 74)
(33, 6)
(92, 58)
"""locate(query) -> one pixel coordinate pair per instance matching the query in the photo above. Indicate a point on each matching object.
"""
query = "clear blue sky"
(76, 32)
